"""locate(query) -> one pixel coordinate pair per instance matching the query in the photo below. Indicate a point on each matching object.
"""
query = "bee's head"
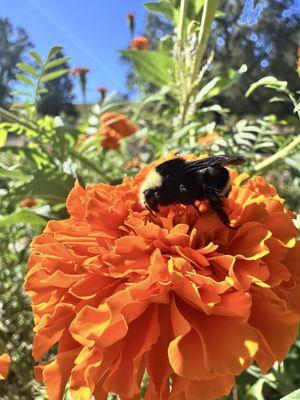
(149, 189)
(150, 198)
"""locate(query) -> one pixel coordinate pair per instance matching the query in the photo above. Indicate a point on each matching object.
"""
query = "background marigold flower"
(207, 140)
(4, 365)
(29, 202)
(121, 291)
(80, 70)
(119, 122)
(131, 22)
(140, 43)
(102, 91)
(111, 139)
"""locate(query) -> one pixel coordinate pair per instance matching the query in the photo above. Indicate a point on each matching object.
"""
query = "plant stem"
(209, 10)
(88, 163)
(182, 12)
(234, 393)
(279, 155)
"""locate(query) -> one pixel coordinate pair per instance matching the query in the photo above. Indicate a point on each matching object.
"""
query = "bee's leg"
(218, 205)
(149, 209)
(197, 209)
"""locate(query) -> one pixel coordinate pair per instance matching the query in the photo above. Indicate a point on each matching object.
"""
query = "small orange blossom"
(4, 365)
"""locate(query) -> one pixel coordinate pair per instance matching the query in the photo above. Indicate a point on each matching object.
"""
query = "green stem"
(209, 10)
(279, 155)
(88, 163)
(182, 12)
(235, 393)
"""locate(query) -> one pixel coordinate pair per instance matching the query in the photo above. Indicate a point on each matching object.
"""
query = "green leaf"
(55, 75)
(56, 63)
(224, 81)
(22, 93)
(28, 68)
(153, 66)
(3, 137)
(255, 391)
(15, 173)
(36, 57)
(52, 186)
(22, 216)
(204, 91)
(292, 396)
(42, 90)
(163, 7)
(269, 82)
(53, 51)
(25, 79)
(245, 135)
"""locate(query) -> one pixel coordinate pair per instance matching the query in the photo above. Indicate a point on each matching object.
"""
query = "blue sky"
(91, 32)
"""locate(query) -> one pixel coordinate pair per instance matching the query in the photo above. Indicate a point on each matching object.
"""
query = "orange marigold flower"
(29, 202)
(134, 163)
(140, 43)
(4, 365)
(111, 139)
(118, 122)
(80, 70)
(180, 296)
(207, 140)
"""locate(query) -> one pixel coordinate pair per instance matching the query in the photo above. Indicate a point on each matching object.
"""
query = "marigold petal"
(4, 365)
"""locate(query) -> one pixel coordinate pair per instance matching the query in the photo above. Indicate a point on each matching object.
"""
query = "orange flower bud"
(140, 43)
(118, 122)
(29, 202)
(4, 365)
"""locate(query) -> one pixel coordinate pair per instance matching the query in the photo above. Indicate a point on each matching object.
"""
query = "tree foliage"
(59, 97)
(14, 43)
(265, 38)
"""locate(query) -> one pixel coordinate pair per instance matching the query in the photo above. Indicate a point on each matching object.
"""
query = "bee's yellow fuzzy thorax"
(152, 180)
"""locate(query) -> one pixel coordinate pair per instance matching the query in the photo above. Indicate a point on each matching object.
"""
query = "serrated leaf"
(269, 82)
(245, 135)
(56, 63)
(3, 137)
(264, 145)
(153, 66)
(42, 91)
(22, 216)
(244, 142)
(54, 75)
(206, 89)
(36, 56)
(53, 51)
(28, 68)
(163, 7)
(292, 396)
(277, 99)
(22, 93)
(222, 82)
(10, 173)
(25, 79)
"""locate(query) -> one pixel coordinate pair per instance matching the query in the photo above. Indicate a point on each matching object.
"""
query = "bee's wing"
(213, 161)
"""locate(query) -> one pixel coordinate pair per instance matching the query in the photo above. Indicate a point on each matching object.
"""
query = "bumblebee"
(178, 181)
